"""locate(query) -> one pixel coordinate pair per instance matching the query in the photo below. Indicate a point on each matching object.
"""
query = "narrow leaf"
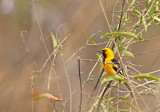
(147, 76)
(146, 4)
(129, 1)
(123, 98)
(107, 79)
(156, 18)
(54, 40)
(115, 34)
(128, 53)
(120, 78)
(118, 16)
(122, 110)
(90, 79)
(137, 12)
(130, 104)
(110, 99)
(93, 42)
(91, 36)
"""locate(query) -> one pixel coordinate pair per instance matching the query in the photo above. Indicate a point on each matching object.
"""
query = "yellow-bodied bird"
(111, 65)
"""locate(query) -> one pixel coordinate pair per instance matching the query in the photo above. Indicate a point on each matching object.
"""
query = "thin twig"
(114, 12)
(103, 93)
(80, 82)
(103, 10)
(118, 97)
(43, 41)
(120, 22)
(146, 40)
(146, 52)
(99, 78)
(69, 84)
(125, 71)
(154, 71)
(55, 50)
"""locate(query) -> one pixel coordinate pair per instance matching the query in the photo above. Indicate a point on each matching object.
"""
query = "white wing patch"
(121, 72)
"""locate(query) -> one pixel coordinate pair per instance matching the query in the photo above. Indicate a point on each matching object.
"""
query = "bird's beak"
(100, 51)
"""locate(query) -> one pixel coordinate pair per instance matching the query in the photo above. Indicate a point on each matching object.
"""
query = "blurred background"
(22, 50)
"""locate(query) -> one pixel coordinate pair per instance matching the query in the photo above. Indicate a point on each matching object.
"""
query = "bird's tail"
(129, 88)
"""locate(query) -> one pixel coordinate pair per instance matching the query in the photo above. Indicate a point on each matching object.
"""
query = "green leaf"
(90, 79)
(118, 16)
(93, 42)
(138, 13)
(110, 99)
(101, 60)
(91, 36)
(129, 1)
(128, 53)
(144, 25)
(156, 18)
(153, 4)
(154, 12)
(140, 37)
(147, 76)
(122, 110)
(107, 79)
(115, 34)
(113, 28)
(54, 40)
(104, 107)
(146, 4)
(120, 78)
(130, 104)
(123, 98)
(89, 108)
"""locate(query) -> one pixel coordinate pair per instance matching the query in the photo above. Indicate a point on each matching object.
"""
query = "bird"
(111, 65)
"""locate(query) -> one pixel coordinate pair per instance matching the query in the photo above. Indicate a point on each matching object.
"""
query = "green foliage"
(135, 22)
(90, 79)
(93, 42)
(33, 75)
(90, 39)
(128, 53)
(147, 76)
(115, 34)
(111, 78)
(107, 79)
(54, 40)
(133, 106)
(123, 110)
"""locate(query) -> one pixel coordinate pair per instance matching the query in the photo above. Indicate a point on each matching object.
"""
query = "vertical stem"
(80, 82)
(118, 97)
(120, 21)
(99, 78)
(69, 84)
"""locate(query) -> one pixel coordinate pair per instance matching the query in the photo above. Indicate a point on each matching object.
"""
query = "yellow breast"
(108, 67)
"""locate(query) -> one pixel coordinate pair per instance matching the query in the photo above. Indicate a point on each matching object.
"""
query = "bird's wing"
(116, 66)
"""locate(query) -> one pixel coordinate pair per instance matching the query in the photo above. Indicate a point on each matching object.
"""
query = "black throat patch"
(104, 56)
